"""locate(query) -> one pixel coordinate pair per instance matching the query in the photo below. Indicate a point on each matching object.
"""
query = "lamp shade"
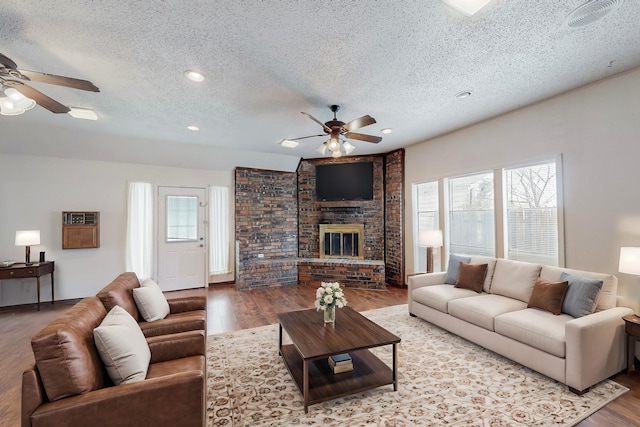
(431, 238)
(629, 260)
(27, 237)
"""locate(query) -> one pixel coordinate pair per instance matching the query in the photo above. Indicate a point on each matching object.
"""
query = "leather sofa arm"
(190, 303)
(177, 346)
(172, 400)
(595, 347)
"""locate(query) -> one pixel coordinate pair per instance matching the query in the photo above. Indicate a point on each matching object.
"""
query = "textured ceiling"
(266, 61)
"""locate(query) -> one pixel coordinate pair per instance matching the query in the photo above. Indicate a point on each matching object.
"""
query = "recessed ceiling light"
(193, 128)
(83, 113)
(194, 75)
(468, 7)
(463, 94)
(287, 143)
(386, 130)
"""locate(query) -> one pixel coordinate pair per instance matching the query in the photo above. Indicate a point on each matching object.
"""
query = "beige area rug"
(443, 381)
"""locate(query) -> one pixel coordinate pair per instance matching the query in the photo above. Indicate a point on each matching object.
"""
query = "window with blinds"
(532, 213)
(427, 217)
(471, 215)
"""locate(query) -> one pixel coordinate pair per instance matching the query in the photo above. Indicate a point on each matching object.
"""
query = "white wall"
(597, 130)
(35, 190)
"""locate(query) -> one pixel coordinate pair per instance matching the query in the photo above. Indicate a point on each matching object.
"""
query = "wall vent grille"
(590, 12)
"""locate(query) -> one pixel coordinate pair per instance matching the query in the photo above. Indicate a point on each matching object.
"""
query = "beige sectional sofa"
(576, 351)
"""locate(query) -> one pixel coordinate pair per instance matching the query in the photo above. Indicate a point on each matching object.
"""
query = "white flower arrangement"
(329, 295)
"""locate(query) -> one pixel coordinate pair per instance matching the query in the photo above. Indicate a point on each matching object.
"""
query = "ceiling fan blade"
(305, 137)
(59, 80)
(7, 62)
(40, 98)
(360, 123)
(325, 127)
(363, 137)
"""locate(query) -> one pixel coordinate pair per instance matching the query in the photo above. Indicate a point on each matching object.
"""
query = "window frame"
(500, 209)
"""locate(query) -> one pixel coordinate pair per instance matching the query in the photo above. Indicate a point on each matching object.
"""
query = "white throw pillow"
(122, 347)
(151, 302)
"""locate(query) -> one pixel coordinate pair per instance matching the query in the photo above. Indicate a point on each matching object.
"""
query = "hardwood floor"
(230, 310)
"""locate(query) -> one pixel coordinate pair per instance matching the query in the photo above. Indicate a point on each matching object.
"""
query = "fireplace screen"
(341, 241)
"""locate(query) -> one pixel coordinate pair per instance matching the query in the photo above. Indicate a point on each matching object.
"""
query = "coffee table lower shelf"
(368, 372)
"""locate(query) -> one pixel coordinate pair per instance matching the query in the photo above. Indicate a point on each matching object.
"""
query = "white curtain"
(139, 252)
(219, 231)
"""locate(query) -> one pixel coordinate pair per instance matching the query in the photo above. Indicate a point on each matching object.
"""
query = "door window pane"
(471, 215)
(182, 218)
(532, 213)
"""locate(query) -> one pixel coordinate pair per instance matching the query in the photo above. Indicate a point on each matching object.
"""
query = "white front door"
(182, 238)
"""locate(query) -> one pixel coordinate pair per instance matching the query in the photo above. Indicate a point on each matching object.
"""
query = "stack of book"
(341, 363)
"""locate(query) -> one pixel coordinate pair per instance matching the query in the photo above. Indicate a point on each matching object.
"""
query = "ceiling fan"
(340, 131)
(19, 96)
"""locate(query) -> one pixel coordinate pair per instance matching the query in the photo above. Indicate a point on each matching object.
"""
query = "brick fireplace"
(278, 238)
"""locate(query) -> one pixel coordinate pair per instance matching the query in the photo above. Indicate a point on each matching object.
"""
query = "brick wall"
(394, 218)
(266, 224)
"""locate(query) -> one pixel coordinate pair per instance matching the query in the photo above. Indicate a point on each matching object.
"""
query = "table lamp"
(27, 238)
(430, 239)
(629, 260)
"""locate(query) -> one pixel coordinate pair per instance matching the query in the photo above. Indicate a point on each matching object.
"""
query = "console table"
(22, 271)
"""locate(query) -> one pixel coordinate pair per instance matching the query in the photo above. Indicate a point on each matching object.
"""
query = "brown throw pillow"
(471, 276)
(548, 296)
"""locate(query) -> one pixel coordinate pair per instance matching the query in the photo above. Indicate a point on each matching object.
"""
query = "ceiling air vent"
(590, 12)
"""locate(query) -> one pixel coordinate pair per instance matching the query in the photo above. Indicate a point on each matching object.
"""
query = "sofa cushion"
(515, 279)
(581, 296)
(150, 301)
(471, 276)
(122, 347)
(536, 328)
(491, 266)
(65, 354)
(438, 296)
(607, 298)
(454, 267)
(120, 292)
(480, 310)
(548, 296)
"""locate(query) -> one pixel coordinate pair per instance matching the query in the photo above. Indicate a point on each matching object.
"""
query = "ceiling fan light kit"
(13, 102)
(468, 7)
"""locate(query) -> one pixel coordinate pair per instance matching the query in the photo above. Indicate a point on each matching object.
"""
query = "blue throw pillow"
(581, 296)
(454, 268)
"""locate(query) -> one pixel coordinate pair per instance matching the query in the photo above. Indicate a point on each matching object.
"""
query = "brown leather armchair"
(69, 386)
(186, 313)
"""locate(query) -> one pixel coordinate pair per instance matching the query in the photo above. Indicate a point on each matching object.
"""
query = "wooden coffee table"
(313, 342)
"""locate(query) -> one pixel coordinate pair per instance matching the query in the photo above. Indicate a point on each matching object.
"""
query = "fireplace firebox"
(343, 241)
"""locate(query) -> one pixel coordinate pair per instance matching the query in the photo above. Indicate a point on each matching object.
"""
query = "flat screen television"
(344, 181)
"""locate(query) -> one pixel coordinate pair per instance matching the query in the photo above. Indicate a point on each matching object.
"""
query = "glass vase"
(330, 314)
